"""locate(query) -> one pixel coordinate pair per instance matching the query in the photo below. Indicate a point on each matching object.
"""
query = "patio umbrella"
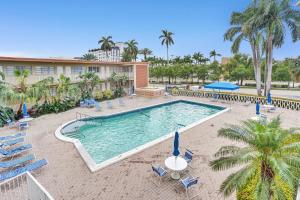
(176, 145)
(269, 99)
(24, 110)
(257, 108)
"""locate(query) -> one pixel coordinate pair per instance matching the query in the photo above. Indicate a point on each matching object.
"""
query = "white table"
(26, 119)
(268, 107)
(176, 164)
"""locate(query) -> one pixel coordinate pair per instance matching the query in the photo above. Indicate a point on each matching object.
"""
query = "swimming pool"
(108, 138)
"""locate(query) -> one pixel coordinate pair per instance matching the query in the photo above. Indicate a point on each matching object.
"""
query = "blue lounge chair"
(160, 172)
(8, 137)
(121, 102)
(20, 170)
(15, 151)
(17, 162)
(98, 106)
(187, 183)
(109, 104)
(188, 156)
(11, 142)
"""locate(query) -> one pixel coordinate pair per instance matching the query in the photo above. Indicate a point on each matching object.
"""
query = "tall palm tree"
(106, 44)
(298, 3)
(275, 17)
(146, 52)
(214, 54)
(132, 48)
(241, 30)
(268, 159)
(167, 39)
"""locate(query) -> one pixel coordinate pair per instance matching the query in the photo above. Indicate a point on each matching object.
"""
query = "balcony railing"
(24, 186)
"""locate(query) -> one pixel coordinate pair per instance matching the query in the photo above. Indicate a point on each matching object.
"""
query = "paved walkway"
(68, 177)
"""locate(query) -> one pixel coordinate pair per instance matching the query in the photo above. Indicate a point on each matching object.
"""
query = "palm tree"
(269, 160)
(89, 56)
(132, 48)
(166, 39)
(106, 44)
(275, 17)
(241, 30)
(199, 58)
(2, 76)
(88, 82)
(214, 54)
(298, 3)
(146, 52)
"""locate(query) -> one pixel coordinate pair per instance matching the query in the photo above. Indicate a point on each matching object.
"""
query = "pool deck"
(68, 177)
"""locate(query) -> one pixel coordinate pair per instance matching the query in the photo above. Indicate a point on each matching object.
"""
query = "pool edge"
(93, 166)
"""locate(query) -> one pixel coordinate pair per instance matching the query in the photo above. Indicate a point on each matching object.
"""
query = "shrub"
(107, 94)
(175, 91)
(98, 95)
(119, 92)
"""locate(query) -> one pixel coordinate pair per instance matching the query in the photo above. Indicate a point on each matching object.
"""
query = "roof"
(65, 61)
(222, 86)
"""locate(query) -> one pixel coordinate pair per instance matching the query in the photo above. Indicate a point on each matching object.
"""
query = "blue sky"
(68, 28)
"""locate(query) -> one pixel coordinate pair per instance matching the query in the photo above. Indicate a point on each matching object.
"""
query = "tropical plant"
(88, 82)
(126, 56)
(268, 160)
(2, 76)
(118, 81)
(167, 39)
(42, 89)
(132, 48)
(146, 52)
(202, 73)
(274, 18)
(242, 30)
(106, 44)
(214, 54)
(199, 58)
(89, 56)
(64, 83)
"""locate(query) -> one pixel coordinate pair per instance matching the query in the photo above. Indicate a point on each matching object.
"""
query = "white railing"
(24, 186)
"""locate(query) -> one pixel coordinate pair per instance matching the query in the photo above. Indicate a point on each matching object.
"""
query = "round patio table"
(176, 164)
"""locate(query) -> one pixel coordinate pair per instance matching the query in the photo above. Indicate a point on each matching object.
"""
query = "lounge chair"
(98, 106)
(188, 156)
(17, 162)
(160, 172)
(121, 102)
(109, 104)
(15, 151)
(8, 137)
(23, 125)
(132, 95)
(20, 170)
(187, 183)
(11, 142)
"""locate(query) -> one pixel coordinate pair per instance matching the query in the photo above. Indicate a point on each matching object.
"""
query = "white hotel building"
(115, 55)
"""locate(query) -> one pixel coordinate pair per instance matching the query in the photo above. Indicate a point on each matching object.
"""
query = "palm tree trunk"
(269, 63)
(167, 54)
(257, 69)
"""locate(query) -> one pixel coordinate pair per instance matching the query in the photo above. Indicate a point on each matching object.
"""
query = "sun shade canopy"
(222, 86)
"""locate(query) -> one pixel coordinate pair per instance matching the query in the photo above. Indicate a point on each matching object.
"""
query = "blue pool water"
(110, 136)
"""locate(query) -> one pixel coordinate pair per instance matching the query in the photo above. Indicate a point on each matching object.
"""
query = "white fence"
(24, 186)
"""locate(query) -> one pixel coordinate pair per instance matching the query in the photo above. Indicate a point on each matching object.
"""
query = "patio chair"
(15, 151)
(187, 183)
(132, 95)
(160, 172)
(10, 123)
(11, 142)
(121, 102)
(23, 125)
(8, 137)
(109, 104)
(17, 162)
(188, 157)
(97, 106)
(20, 170)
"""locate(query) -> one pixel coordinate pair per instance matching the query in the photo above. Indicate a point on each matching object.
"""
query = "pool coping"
(93, 166)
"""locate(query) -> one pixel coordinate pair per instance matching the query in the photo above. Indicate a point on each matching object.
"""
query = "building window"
(94, 69)
(77, 70)
(45, 70)
(9, 70)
